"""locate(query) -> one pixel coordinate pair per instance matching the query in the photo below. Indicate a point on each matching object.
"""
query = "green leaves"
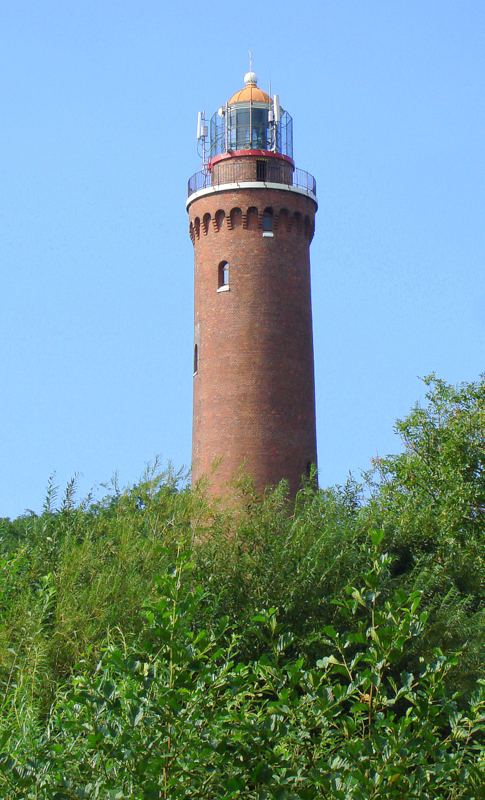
(209, 726)
(152, 646)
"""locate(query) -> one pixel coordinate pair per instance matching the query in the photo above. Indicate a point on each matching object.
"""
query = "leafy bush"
(154, 645)
(178, 715)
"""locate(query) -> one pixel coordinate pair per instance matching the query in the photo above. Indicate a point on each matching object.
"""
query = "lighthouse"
(251, 221)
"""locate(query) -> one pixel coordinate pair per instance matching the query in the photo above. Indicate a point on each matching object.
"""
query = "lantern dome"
(250, 93)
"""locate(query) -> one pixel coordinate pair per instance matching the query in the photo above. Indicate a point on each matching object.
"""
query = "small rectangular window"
(268, 220)
(223, 275)
(260, 170)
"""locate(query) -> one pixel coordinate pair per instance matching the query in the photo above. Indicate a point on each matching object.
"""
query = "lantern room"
(251, 120)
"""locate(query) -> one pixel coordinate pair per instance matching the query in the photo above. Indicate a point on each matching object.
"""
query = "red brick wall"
(254, 403)
(243, 168)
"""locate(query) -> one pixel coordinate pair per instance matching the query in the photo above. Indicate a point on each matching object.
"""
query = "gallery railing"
(237, 173)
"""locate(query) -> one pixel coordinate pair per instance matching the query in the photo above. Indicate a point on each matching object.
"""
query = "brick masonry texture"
(244, 169)
(254, 396)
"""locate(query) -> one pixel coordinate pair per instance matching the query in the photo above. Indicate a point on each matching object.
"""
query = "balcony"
(237, 172)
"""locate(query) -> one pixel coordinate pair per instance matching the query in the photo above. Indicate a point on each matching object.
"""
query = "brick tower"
(252, 219)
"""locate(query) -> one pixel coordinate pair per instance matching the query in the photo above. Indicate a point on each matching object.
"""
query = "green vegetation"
(153, 645)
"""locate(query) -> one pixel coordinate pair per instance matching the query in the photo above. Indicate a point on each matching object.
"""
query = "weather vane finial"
(250, 78)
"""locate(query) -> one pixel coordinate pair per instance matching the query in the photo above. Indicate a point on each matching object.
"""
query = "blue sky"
(97, 141)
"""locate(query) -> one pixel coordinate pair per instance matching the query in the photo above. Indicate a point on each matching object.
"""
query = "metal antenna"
(250, 61)
(272, 134)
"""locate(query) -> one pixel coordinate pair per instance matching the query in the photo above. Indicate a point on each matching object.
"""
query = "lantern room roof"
(250, 92)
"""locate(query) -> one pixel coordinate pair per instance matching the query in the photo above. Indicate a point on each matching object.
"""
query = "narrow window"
(268, 222)
(196, 359)
(260, 170)
(311, 473)
(223, 276)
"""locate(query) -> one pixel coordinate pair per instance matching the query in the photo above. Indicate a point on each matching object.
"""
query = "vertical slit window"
(268, 222)
(223, 275)
(196, 359)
